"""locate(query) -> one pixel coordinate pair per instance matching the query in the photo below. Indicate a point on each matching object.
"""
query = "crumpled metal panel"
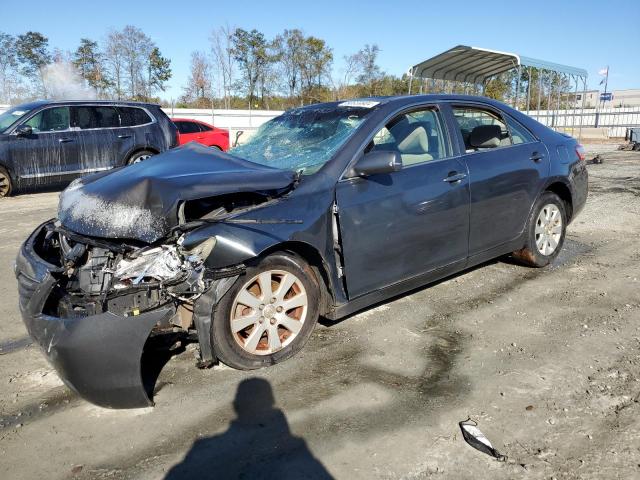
(141, 201)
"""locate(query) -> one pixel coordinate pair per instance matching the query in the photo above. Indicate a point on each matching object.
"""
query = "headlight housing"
(159, 263)
(166, 264)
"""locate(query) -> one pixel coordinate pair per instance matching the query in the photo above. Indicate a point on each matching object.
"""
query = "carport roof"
(475, 65)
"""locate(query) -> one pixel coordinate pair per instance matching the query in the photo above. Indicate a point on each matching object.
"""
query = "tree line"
(126, 65)
(238, 69)
(245, 68)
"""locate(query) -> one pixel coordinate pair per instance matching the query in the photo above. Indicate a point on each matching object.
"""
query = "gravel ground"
(545, 360)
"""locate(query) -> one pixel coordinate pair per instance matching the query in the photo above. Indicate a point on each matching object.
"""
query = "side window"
(474, 122)
(519, 134)
(132, 116)
(53, 119)
(88, 117)
(417, 136)
(204, 128)
(189, 127)
(180, 126)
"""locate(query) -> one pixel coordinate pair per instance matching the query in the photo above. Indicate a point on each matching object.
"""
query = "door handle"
(455, 177)
(124, 136)
(65, 140)
(536, 156)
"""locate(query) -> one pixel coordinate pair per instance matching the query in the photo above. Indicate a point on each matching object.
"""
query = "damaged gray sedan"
(326, 210)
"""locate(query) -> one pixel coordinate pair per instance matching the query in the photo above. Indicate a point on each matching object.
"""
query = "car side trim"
(66, 172)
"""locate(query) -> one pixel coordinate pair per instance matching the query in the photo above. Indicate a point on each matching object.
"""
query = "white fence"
(246, 121)
(612, 121)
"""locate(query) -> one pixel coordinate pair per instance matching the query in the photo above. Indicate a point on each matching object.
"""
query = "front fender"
(235, 243)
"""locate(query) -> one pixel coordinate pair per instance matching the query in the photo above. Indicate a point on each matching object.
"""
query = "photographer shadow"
(257, 444)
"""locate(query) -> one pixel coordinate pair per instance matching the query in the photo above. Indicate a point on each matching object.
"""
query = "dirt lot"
(545, 360)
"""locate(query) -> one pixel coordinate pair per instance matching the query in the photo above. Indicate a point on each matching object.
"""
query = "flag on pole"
(603, 71)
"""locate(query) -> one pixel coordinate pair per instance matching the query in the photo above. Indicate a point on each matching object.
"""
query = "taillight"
(582, 155)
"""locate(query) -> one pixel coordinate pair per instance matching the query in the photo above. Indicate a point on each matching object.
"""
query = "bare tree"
(222, 52)
(198, 88)
(369, 72)
(114, 55)
(137, 48)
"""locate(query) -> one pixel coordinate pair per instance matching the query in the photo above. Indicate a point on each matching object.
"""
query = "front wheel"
(268, 314)
(546, 231)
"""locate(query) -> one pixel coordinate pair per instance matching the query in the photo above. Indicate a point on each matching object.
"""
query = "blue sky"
(585, 34)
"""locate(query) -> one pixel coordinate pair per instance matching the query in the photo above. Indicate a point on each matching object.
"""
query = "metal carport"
(473, 67)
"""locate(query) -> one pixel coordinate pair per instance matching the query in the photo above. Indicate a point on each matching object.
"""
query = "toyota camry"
(324, 211)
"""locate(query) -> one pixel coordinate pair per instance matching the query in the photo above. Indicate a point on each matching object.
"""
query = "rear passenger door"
(104, 143)
(189, 132)
(504, 179)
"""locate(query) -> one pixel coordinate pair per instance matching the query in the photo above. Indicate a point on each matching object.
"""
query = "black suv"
(49, 143)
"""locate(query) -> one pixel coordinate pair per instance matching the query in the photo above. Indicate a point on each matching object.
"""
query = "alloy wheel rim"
(268, 312)
(4, 185)
(548, 229)
(141, 158)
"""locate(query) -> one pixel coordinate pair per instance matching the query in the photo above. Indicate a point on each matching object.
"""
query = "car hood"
(141, 201)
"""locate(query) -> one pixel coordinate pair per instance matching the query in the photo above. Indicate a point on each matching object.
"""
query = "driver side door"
(399, 225)
(50, 152)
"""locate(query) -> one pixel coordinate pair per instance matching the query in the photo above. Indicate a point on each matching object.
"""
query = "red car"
(197, 131)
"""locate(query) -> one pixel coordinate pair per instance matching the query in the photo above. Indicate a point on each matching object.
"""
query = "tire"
(215, 147)
(6, 186)
(139, 157)
(539, 249)
(236, 349)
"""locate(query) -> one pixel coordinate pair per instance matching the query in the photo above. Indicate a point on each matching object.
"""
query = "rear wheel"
(140, 156)
(268, 314)
(545, 231)
(5, 183)
(215, 147)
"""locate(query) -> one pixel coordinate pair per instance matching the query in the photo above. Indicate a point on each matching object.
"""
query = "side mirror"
(24, 131)
(378, 162)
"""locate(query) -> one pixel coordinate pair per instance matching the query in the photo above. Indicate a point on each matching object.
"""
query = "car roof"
(402, 100)
(179, 119)
(39, 103)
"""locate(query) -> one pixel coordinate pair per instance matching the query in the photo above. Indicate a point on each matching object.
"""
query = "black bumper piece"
(99, 356)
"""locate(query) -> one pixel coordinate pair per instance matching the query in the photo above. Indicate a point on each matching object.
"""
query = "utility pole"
(606, 82)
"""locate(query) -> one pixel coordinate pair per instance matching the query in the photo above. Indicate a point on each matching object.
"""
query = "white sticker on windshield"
(17, 113)
(359, 103)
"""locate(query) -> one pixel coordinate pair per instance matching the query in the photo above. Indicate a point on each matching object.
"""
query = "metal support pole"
(549, 107)
(410, 81)
(575, 106)
(528, 89)
(517, 97)
(558, 105)
(584, 96)
(539, 93)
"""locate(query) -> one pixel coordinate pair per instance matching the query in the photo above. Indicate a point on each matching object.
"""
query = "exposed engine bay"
(99, 276)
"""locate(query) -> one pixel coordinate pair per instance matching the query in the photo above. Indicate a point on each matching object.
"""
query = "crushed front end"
(91, 304)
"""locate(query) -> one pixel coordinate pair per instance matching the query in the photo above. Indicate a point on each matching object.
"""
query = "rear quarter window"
(132, 116)
(519, 133)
